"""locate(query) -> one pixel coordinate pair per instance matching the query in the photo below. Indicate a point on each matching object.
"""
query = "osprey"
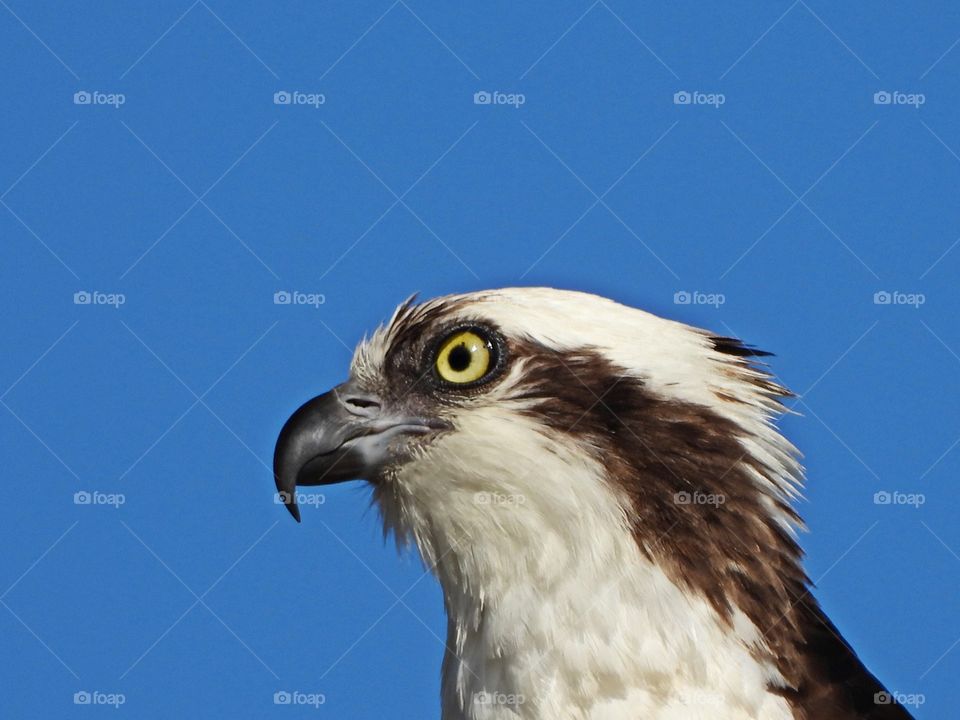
(606, 503)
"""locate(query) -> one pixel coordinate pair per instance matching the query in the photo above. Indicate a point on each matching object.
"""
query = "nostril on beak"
(362, 405)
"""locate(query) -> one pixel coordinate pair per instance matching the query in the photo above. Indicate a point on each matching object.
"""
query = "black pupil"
(459, 358)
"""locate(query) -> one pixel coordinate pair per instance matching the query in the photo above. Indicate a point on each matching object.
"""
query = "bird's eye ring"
(464, 357)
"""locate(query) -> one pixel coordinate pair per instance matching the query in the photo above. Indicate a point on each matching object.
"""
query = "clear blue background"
(797, 200)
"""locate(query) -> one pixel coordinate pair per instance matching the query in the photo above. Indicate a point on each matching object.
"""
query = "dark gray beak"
(341, 435)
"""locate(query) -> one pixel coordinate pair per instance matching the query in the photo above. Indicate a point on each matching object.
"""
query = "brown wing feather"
(833, 683)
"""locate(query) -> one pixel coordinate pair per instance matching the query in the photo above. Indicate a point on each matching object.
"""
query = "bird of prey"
(606, 503)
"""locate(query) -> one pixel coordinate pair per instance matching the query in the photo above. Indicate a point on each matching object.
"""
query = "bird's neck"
(558, 608)
(572, 621)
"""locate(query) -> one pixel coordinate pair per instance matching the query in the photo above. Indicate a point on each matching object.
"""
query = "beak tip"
(287, 497)
(295, 511)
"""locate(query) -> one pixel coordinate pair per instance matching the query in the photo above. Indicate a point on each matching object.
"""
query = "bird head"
(517, 419)
(604, 498)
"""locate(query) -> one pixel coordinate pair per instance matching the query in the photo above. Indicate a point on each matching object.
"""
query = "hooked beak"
(341, 435)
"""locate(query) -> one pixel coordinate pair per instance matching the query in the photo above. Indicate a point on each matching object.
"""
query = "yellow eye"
(464, 357)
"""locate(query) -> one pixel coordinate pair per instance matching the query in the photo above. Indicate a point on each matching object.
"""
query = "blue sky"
(799, 191)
